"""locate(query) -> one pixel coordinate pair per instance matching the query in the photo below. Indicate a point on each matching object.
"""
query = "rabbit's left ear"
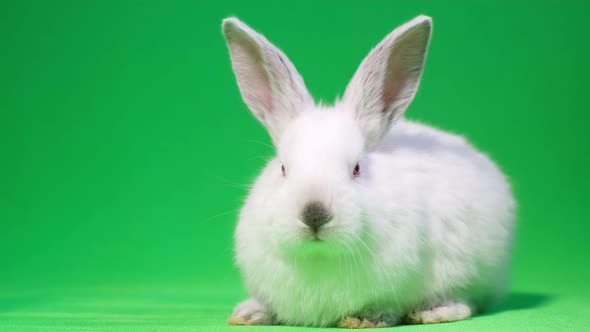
(269, 83)
(387, 79)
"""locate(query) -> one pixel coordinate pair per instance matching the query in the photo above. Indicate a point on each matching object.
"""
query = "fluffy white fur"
(423, 233)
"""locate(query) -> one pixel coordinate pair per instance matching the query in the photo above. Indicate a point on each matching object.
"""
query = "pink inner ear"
(403, 66)
(262, 90)
(251, 74)
(394, 79)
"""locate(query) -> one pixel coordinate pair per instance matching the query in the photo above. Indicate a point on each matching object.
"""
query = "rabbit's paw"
(250, 312)
(353, 322)
(444, 312)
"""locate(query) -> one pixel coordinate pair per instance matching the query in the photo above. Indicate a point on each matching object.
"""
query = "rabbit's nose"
(315, 215)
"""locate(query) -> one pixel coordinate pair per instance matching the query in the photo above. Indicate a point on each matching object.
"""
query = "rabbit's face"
(311, 197)
(316, 199)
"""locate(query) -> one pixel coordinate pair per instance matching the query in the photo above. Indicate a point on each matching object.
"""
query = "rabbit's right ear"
(269, 83)
(387, 80)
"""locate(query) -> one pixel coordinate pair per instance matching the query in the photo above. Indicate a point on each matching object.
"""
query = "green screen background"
(126, 149)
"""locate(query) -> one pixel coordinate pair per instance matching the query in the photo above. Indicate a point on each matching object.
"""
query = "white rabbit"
(364, 219)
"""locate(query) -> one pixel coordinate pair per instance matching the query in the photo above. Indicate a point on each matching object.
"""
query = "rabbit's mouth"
(315, 249)
(317, 235)
(315, 245)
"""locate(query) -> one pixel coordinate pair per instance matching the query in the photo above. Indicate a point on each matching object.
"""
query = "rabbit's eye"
(357, 170)
(283, 170)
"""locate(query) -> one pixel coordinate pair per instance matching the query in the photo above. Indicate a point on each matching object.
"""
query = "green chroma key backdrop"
(127, 150)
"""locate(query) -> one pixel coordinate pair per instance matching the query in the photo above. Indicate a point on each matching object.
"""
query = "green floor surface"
(159, 308)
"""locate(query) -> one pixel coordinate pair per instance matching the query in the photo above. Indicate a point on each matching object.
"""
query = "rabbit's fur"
(420, 231)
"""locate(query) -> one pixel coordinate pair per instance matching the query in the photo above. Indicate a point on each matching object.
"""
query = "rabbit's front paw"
(353, 322)
(445, 312)
(250, 312)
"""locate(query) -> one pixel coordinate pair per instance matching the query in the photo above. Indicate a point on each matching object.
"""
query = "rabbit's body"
(364, 218)
(439, 224)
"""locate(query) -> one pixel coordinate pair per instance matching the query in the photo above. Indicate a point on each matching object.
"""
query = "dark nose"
(315, 215)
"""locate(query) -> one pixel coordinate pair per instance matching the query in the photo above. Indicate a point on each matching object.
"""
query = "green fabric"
(205, 308)
(126, 149)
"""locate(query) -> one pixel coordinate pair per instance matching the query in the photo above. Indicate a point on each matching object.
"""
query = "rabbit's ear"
(269, 83)
(387, 79)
